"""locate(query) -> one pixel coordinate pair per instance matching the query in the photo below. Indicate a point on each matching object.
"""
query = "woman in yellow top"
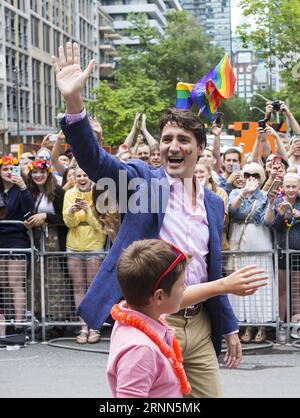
(85, 240)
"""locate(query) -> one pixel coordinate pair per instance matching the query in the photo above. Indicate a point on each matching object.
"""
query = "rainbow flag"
(183, 92)
(218, 84)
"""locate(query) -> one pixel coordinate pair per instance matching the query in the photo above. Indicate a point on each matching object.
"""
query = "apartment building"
(30, 33)
(252, 74)
(154, 10)
(215, 17)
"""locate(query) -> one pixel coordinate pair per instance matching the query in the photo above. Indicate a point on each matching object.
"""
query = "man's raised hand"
(69, 76)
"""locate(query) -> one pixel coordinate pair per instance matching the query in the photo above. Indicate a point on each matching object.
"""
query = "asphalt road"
(43, 371)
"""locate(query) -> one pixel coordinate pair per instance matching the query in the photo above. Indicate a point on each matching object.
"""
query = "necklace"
(173, 355)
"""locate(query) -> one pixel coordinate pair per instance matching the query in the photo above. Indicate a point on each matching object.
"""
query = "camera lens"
(276, 105)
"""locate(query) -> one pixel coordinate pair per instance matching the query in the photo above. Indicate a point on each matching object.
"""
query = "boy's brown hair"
(187, 120)
(141, 264)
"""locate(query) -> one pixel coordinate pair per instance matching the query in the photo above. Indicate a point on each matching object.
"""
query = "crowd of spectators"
(260, 192)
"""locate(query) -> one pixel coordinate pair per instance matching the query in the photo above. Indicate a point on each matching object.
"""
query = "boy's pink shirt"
(136, 367)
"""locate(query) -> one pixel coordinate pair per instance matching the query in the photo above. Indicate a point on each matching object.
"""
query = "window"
(82, 30)
(46, 37)
(65, 39)
(35, 31)
(58, 103)
(64, 16)
(45, 9)
(23, 70)
(21, 5)
(48, 102)
(10, 62)
(11, 99)
(36, 88)
(10, 26)
(73, 21)
(33, 5)
(55, 13)
(24, 106)
(22, 29)
(56, 41)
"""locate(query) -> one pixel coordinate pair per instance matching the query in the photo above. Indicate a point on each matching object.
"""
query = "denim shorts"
(85, 255)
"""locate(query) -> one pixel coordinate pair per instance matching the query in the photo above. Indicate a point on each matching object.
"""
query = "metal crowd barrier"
(58, 287)
(292, 275)
(261, 308)
(17, 285)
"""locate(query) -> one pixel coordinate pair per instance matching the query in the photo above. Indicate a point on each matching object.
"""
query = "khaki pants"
(199, 357)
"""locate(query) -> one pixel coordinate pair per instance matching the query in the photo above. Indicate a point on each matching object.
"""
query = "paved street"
(42, 371)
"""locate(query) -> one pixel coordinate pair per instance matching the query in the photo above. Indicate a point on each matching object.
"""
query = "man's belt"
(190, 311)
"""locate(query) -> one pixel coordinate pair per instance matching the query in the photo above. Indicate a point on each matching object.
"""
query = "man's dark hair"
(187, 120)
(232, 151)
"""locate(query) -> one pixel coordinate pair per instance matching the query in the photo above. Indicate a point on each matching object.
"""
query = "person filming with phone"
(284, 214)
(247, 232)
(232, 164)
(85, 239)
(15, 202)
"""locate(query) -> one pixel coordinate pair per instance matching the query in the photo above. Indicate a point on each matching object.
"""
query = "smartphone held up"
(219, 119)
(16, 170)
(274, 187)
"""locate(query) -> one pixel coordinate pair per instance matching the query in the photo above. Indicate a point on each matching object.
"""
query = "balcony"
(151, 10)
(108, 47)
(106, 69)
(106, 29)
(114, 36)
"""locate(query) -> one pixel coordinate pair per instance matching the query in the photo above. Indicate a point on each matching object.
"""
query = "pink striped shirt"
(187, 228)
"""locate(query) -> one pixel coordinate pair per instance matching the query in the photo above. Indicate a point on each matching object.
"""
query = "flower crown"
(41, 164)
(9, 160)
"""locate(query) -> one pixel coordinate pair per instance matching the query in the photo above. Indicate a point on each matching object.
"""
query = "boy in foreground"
(145, 359)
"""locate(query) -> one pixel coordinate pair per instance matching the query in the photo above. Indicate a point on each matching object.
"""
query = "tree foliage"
(146, 76)
(115, 108)
(276, 35)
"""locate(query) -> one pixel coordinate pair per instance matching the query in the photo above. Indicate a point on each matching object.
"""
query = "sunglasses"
(181, 256)
(254, 175)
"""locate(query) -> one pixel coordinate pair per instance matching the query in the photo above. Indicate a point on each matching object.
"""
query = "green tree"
(146, 76)
(170, 58)
(276, 35)
(235, 109)
(258, 102)
(115, 108)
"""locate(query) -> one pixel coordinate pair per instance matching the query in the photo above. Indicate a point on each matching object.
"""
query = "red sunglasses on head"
(181, 256)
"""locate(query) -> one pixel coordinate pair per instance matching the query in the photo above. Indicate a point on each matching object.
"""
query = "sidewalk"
(41, 371)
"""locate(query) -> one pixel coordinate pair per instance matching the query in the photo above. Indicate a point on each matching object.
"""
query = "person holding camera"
(277, 171)
(232, 165)
(284, 213)
(46, 218)
(15, 201)
(247, 233)
(85, 240)
(280, 106)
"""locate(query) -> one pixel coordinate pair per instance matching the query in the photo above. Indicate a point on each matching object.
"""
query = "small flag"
(218, 84)
(183, 92)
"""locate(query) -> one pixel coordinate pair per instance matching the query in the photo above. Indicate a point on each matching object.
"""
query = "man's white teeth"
(175, 159)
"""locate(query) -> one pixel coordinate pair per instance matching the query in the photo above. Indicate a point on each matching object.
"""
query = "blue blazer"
(104, 291)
